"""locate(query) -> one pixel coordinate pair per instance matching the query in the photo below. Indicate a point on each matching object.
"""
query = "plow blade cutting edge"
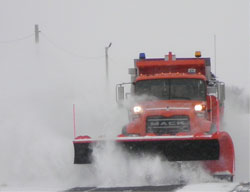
(171, 148)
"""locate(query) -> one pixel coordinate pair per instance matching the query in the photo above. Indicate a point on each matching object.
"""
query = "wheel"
(124, 131)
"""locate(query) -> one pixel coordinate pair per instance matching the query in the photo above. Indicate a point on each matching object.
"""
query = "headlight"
(137, 109)
(198, 107)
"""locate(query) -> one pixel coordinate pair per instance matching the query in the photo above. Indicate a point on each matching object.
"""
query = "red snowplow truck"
(177, 108)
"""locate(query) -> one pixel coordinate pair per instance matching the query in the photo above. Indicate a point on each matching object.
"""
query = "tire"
(124, 131)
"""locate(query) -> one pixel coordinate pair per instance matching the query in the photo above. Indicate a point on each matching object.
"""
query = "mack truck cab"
(177, 108)
(174, 96)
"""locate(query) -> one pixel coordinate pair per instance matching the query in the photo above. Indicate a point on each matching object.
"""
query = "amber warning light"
(197, 54)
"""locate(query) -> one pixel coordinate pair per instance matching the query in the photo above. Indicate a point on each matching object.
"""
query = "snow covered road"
(204, 187)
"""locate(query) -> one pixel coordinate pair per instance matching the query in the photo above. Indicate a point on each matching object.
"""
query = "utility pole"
(107, 62)
(37, 33)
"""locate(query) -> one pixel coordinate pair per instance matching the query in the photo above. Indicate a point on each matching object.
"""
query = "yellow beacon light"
(197, 54)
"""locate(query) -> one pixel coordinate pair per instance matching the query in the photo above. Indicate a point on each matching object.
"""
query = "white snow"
(39, 84)
(209, 187)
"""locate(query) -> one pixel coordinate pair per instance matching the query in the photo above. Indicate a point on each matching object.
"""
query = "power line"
(51, 42)
(66, 50)
(117, 61)
(17, 39)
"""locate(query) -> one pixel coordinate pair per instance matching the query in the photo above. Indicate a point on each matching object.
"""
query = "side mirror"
(120, 94)
(221, 91)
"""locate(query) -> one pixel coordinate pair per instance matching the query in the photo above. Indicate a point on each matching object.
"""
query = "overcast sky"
(85, 27)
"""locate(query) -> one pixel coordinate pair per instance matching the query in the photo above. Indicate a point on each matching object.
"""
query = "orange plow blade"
(197, 147)
(215, 151)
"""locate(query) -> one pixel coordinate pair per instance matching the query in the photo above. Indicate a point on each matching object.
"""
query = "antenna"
(74, 120)
(215, 54)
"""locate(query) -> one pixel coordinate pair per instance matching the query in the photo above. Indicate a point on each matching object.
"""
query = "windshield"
(172, 89)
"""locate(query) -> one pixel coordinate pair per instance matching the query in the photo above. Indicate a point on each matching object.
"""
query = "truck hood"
(169, 105)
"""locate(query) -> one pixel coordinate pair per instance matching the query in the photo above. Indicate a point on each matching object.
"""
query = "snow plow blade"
(83, 153)
(172, 148)
(176, 150)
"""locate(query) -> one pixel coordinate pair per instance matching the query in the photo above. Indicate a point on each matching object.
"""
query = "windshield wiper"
(180, 98)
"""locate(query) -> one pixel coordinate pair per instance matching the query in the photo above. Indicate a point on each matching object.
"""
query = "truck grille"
(167, 125)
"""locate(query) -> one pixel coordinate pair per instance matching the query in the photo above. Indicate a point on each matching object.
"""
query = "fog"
(236, 123)
(41, 82)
